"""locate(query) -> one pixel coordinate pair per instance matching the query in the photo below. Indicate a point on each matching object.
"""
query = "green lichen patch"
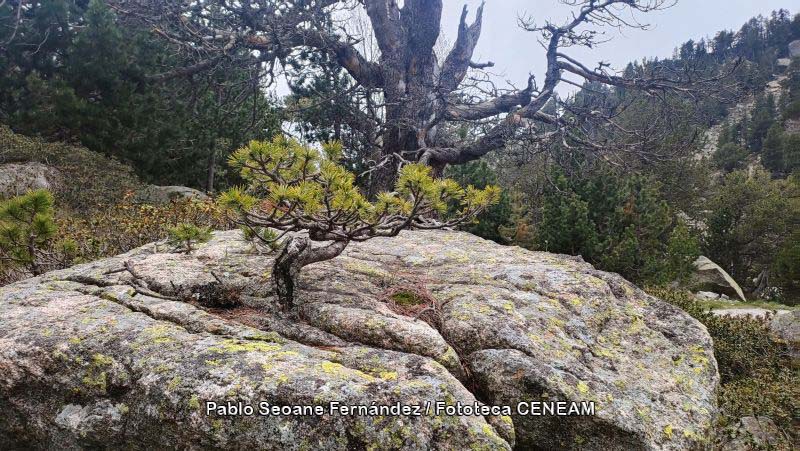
(230, 346)
(407, 298)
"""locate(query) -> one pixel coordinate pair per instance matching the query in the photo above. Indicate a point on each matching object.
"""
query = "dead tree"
(418, 93)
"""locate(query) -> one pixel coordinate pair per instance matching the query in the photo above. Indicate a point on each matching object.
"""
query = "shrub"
(618, 224)
(772, 149)
(756, 373)
(184, 235)
(792, 110)
(730, 157)
(28, 244)
(121, 227)
(787, 265)
(791, 152)
(749, 217)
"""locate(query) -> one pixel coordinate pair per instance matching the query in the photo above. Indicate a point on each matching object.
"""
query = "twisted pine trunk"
(296, 253)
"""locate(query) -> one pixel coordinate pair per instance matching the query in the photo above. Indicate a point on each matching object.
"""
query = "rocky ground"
(127, 350)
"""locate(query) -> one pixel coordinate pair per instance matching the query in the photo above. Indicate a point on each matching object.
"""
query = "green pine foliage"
(619, 224)
(88, 83)
(28, 236)
(294, 187)
(772, 149)
(749, 218)
(730, 157)
(791, 153)
(787, 264)
(185, 236)
(491, 223)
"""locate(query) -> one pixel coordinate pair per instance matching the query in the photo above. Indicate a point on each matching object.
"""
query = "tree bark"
(296, 253)
(211, 169)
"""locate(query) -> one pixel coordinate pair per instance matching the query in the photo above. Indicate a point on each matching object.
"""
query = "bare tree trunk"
(211, 167)
(296, 253)
(762, 283)
(286, 269)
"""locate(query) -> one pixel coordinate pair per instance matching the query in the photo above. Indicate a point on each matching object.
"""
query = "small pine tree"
(293, 188)
(791, 153)
(184, 236)
(27, 232)
(620, 224)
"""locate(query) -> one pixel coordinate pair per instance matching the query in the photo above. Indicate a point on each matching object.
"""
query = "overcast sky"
(516, 52)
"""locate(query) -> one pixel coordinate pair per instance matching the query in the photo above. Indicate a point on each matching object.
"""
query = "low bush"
(756, 373)
(128, 225)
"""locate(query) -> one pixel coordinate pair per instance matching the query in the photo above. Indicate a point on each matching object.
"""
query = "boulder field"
(127, 351)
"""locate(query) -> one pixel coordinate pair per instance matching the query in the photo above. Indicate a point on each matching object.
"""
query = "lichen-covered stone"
(109, 352)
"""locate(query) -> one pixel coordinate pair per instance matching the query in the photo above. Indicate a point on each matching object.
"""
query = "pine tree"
(28, 235)
(772, 149)
(292, 188)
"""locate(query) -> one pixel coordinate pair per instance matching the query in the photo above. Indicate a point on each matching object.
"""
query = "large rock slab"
(794, 49)
(711, 277)
(117, 351)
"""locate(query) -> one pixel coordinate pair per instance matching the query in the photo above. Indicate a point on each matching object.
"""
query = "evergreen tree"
(620, 224)
(88, 82)
(489, 223)
(762, 118)
(772, 149)
(791, 153)
(747, 222)
(730, 157)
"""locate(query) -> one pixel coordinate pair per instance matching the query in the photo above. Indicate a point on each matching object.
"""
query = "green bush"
(792, 110)
(618, 224)
(491, 223)
(28, 244)
(749, 218)
(791, 152)
(787, 266)
(772, 149)
(756, 373)
(730, 157)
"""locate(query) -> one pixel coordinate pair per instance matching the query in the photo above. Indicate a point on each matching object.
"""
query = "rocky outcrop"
(794, 49)
(19, 178)
(154, 194)
(786, 329)
(118, 351)
(711, 277)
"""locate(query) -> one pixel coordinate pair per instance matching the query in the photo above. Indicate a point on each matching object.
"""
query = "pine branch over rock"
(293, 188)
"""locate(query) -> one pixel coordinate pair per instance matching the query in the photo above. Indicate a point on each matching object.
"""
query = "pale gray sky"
(516, 52)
